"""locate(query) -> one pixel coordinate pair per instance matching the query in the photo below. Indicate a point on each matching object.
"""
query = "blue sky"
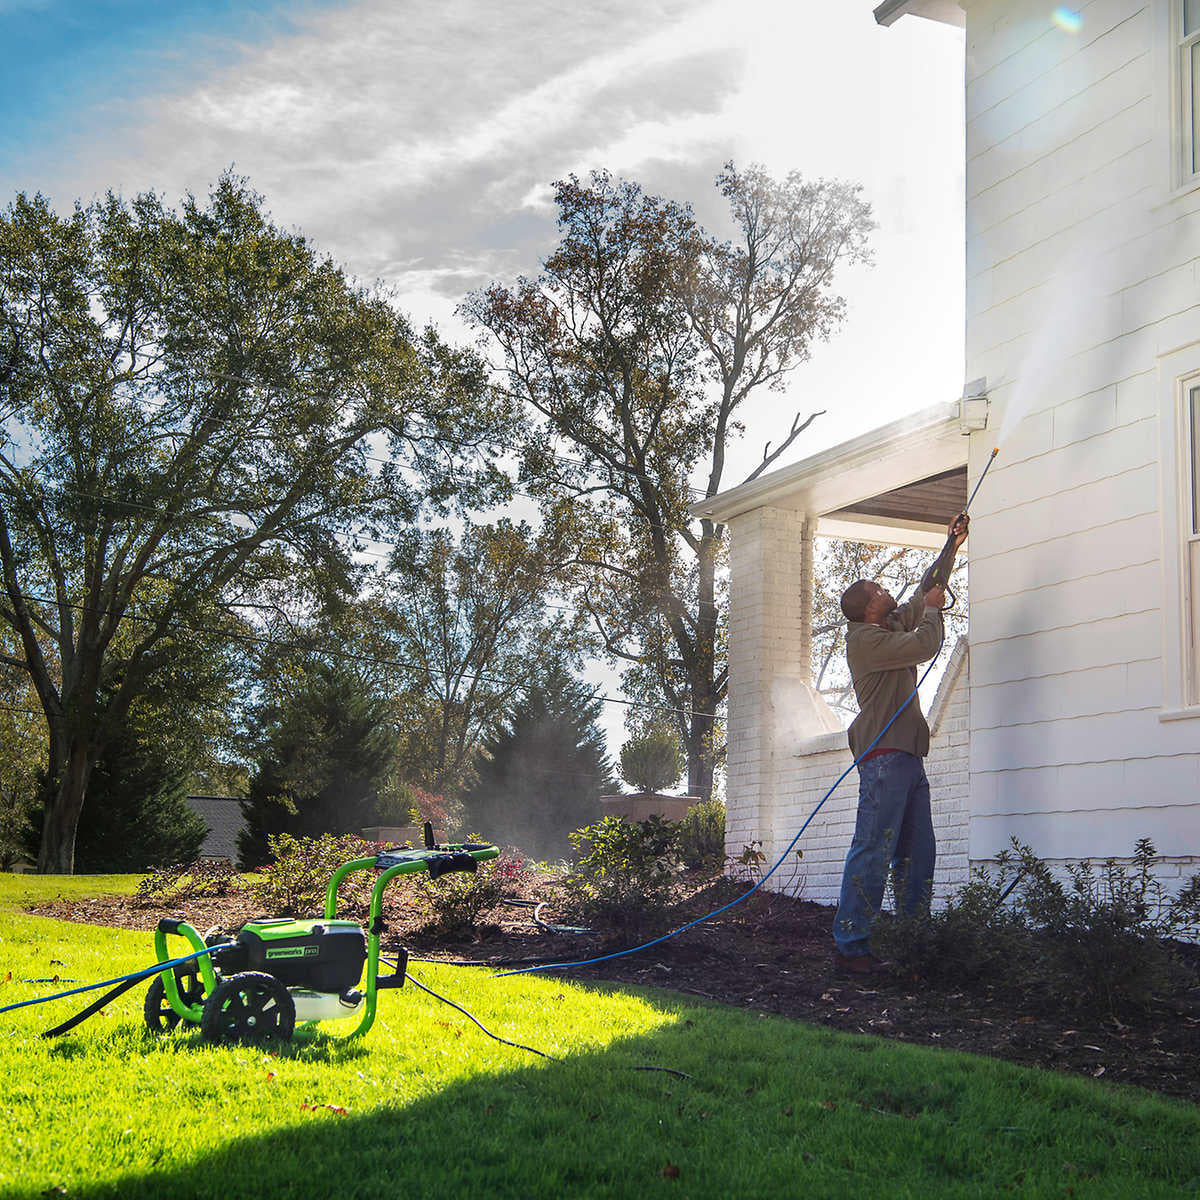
(416, 142)
(68, 63)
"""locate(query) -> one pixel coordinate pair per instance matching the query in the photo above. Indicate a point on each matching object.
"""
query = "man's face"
(880, 603)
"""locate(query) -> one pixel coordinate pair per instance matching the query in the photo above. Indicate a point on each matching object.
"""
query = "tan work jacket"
(883, 669)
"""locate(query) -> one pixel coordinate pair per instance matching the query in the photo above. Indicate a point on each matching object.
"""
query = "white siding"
(1079, 277)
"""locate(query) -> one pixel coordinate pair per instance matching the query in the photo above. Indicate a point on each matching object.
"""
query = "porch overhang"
(949, 12)
(900, 484)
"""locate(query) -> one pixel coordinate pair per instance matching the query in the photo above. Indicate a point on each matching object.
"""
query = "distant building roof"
(223, 816)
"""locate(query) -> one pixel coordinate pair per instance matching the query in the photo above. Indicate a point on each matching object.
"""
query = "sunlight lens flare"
(1067, 19)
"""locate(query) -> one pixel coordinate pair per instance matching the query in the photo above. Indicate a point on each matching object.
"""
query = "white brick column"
(772, 704)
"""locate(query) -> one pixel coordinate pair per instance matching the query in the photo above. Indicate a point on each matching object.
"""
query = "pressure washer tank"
(325, 1006)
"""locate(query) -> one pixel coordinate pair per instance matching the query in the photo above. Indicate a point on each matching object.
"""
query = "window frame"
(1179, 377)
(1188, 145)
(1172, 89)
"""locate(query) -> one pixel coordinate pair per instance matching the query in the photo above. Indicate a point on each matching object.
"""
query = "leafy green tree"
(194, 405)
(325, 763)
(541, 774)
(467, 622)
(636, 350)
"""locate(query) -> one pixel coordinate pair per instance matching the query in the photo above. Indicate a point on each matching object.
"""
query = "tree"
(192, 400)
(138, 816)
(466, 621)
(325, 762)
(652, 759)
(22, 747)
(542, 773)
(838, 564)
(637, 349)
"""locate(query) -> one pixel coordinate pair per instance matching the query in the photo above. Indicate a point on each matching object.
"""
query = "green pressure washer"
(278, 972)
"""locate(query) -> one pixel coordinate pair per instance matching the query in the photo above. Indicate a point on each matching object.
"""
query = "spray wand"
(939, 572)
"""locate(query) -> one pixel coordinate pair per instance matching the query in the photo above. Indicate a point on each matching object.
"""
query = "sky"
(416, 143)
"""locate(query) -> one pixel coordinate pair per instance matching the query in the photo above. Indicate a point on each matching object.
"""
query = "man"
(894, 827)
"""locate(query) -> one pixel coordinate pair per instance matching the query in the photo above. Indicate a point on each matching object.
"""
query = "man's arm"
(881, 650)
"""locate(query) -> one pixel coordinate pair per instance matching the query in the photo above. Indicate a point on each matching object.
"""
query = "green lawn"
(425, 1105)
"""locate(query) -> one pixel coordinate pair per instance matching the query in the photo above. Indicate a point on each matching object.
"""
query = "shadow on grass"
(775, 1109)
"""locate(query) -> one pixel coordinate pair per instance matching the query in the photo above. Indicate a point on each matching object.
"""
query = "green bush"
(199, 879)
(295, 882)
(653, 759)
(1098, 942)
(624, 872)
(454, 903)
(702, 835)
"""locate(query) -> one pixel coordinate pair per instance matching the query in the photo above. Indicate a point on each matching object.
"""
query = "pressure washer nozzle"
(995, 451)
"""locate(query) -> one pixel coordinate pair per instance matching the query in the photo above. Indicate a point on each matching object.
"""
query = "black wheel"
(248, 1007)
(159, 1014)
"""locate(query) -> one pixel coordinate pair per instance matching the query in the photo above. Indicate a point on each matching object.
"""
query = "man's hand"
(958, 529)
(935, 597)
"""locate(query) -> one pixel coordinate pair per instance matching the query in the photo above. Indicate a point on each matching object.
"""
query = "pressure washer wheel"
(160, 1016)
(248, 1007)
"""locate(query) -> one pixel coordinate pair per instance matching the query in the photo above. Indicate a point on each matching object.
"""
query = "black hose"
(518, 1045)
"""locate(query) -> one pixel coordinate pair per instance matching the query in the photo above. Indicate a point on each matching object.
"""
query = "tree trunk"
(701, 750)
(63, 806)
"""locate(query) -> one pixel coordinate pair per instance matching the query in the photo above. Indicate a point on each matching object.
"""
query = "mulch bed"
(772, 954)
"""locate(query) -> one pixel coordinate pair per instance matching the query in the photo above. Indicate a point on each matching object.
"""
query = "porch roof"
(948, 11)
(900, 484)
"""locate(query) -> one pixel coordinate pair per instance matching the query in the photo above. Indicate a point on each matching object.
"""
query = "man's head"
(865, 600)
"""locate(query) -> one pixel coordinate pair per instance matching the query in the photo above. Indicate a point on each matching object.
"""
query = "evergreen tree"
(542, 773)
(325, 760)
(137, 816)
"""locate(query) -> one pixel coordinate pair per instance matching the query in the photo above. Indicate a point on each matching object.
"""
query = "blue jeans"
(894, 828)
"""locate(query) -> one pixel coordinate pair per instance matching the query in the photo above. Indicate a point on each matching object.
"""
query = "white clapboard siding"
(1068, 751)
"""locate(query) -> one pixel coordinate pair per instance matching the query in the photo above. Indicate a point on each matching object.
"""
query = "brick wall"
(805, 776)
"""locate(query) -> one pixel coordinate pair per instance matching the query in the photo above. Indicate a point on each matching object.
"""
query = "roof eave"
(882, 458)
(946, 11)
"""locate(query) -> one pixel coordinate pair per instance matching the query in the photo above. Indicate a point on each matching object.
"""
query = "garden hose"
(123, 982)
(517, 1045)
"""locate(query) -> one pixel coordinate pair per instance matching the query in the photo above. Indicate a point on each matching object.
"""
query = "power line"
(347, 656)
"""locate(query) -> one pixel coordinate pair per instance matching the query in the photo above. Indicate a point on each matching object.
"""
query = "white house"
(1073, 719)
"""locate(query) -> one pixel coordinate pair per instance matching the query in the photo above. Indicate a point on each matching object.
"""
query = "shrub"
(624, 872)
(702, 835)
(455, 902)
(189, 881)
(295, 882)
(652, 760)
(1097, 942)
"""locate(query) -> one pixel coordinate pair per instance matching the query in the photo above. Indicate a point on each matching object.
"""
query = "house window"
(1191, 549)
(1179, 431)
(1188, 27)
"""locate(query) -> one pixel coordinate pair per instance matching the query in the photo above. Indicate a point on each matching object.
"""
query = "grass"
(425, 1105)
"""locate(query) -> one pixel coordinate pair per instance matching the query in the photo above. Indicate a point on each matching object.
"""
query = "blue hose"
(585, 962)
(133, 975)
